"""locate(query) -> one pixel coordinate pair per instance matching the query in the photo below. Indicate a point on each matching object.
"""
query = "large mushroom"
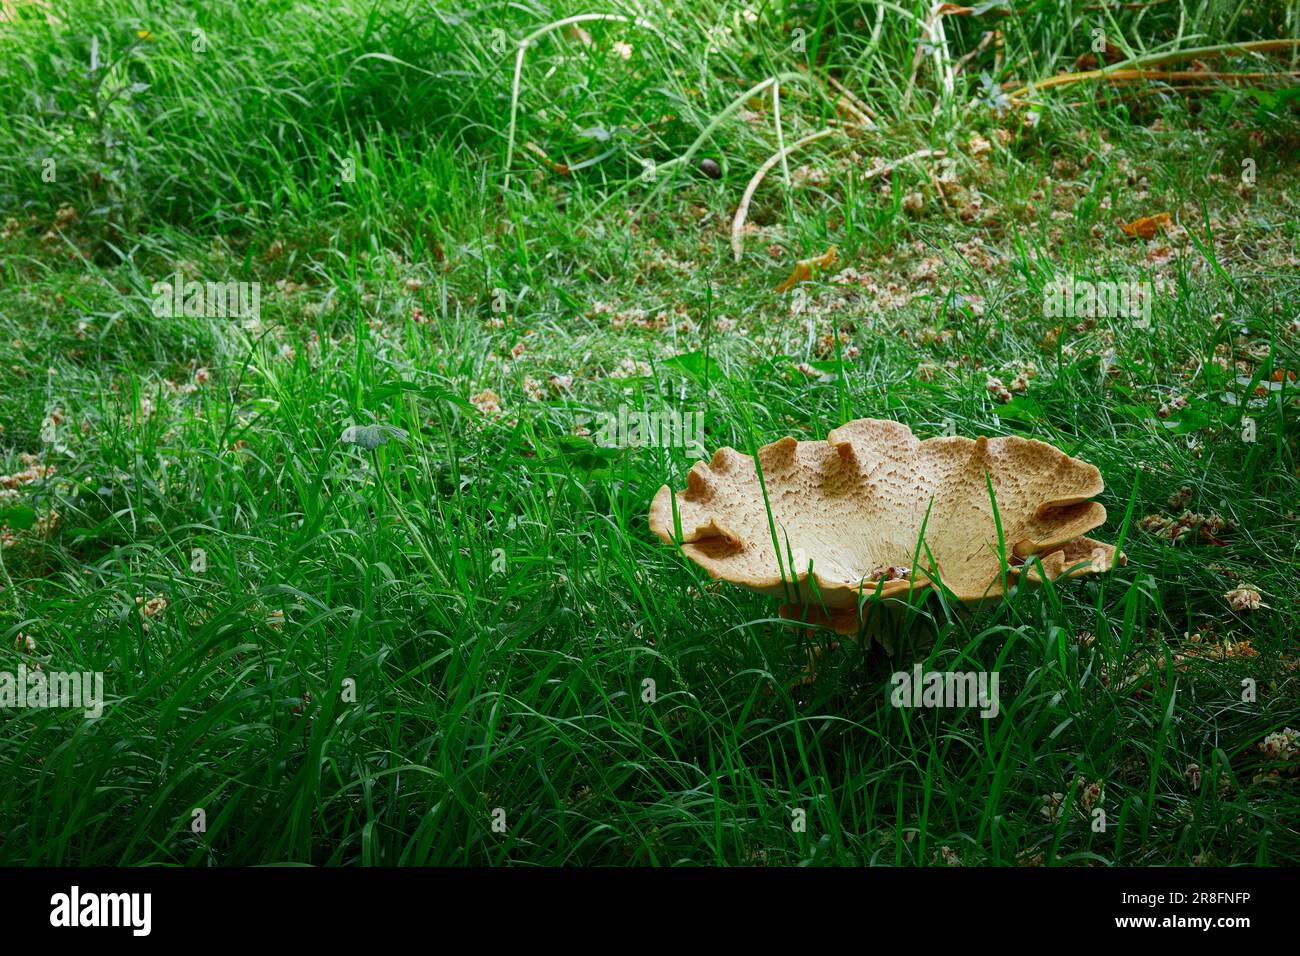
(849, 512)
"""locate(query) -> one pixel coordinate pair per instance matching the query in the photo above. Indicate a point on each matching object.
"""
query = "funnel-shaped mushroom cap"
(852, 509)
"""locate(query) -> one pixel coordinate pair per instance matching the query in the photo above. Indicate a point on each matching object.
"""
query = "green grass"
(487, 583)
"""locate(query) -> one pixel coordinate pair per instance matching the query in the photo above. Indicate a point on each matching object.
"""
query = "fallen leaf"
(558, 168)
(1147, 226)
(803, 269)
(1109, 54)
(575, 32)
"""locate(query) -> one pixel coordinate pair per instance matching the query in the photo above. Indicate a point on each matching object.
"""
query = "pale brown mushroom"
(852, 508)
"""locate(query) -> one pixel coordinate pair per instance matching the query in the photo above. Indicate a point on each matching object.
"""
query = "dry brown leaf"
(575, 32)
(803, 269)
(1089, 61)
(1147, 226)
(558, 168)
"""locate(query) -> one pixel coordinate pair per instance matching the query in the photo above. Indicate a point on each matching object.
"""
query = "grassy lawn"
(366, 588)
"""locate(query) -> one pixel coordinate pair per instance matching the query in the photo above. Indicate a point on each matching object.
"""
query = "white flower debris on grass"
(1245, 599)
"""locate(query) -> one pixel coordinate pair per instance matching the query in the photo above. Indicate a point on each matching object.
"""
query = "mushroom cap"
(854, 505)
